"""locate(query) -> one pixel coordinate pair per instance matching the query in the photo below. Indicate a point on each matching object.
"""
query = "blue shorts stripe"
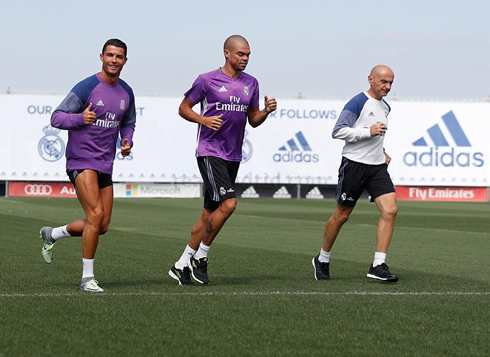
(345, 162)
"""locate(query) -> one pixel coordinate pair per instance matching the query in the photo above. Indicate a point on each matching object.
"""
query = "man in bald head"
(362, 124)
(229, 97)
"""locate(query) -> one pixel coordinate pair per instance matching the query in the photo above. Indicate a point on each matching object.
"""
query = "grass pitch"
(262, 299)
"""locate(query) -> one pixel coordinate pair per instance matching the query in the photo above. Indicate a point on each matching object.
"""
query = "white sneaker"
(91, 285)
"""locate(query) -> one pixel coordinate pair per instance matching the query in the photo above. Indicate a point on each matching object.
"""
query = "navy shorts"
(105, 180)
(354, 177)
(219, 177)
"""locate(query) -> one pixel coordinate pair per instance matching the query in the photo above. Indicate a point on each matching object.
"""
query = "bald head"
(380, 70)
(234, 40)
(380, 79)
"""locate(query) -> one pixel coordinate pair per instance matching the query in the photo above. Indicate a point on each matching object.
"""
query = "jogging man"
(95, 113)
(227, 96)
(362, 124)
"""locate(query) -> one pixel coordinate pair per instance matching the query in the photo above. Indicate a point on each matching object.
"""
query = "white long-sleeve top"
(353, 126)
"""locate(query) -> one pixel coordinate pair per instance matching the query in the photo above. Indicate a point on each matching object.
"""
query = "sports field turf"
(263, 298)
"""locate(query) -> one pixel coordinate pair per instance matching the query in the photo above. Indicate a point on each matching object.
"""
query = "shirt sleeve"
(197, 92)
(343, 129)
(254, 102)
(128, 124)
(69, 114)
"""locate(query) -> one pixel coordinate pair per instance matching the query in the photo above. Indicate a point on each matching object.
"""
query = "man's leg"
(388, 208)
(219, 204)
(321, 262)
(217, 220)
(205, 234)
(90, 198)
(75, 229)
(107, 196)
(334, 224)
(199, 229)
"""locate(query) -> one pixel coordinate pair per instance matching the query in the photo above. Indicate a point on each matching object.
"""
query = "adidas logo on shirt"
(250, 193)
(282, 193)
(223, 89)
(315, 194)
(100, 103)
(371, 114)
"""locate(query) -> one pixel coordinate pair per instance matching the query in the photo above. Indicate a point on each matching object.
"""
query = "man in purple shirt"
(95, 113)
(228, 96)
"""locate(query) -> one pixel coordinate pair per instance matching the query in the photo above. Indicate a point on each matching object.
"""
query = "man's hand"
(388, 158)
(270, 104)
(125, 148)
(213, 123)
(378, 129)
(88, 116)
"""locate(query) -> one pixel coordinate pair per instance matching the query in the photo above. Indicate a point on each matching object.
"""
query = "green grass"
(263, 299)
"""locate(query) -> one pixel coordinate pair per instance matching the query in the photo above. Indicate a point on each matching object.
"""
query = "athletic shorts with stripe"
(219, 179)
(354, 177)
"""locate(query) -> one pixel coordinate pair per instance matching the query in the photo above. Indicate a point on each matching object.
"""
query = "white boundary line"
(272, 293)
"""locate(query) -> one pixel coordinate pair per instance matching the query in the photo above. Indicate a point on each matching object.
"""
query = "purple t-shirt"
(94, 146)
(232, 97)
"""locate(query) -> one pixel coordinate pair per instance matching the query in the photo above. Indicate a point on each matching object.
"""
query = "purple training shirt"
(94, 146)
(221, 94)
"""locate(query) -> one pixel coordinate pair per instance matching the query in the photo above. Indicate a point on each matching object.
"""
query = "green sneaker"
(92, 286)
(47, 250)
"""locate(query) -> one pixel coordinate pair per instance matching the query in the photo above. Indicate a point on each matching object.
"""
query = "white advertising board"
(439, 143)
(158, 190)
(431, 143)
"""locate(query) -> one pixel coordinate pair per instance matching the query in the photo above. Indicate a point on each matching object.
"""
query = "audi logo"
(38, 189)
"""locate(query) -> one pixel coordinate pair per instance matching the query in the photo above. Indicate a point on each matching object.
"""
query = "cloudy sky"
(437, 49)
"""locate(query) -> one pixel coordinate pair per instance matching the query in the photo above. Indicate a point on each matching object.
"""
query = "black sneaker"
(321, 269)
(183, 276)
(199, 269)
(381, 272)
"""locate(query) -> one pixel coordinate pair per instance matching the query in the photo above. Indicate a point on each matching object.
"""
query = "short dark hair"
(117, 43)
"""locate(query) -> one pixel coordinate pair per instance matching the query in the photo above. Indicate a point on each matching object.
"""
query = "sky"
(314, 49)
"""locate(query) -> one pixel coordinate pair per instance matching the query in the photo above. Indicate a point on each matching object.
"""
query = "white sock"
(324, 256)
(88, 268)
(60, 232)
(185, 258)
(379, 258)
(202, 251)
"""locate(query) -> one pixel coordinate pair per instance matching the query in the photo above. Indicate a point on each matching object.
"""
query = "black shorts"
(219, 179)
(354, 177)
(105, 180)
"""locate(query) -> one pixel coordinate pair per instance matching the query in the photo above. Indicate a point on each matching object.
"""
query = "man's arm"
(355, 134)
(128, 122)
(186, 112)
(68, 115)
(344, 130)
(256, 117)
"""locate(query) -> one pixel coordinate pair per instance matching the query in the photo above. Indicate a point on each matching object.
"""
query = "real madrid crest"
(245, 90)
(122, 105)
(247, 149)
(51, 147)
